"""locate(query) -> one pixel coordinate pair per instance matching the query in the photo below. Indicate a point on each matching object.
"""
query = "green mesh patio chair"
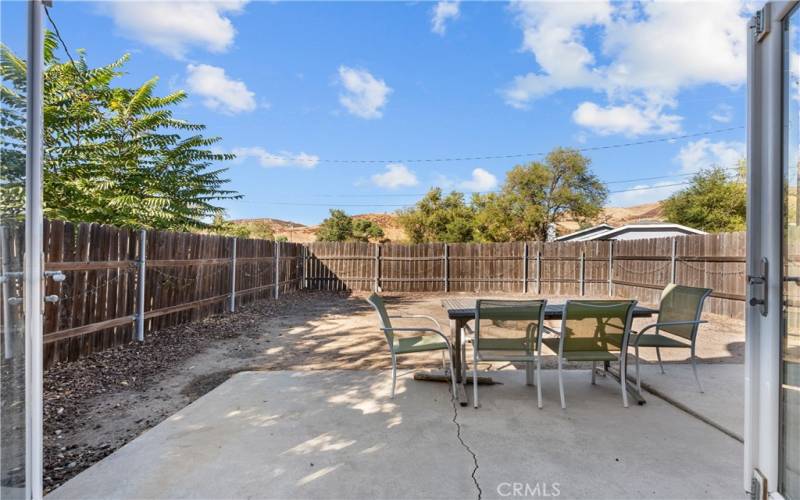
(414, 339)
(679, 314)
(506, 330)
(587, 330)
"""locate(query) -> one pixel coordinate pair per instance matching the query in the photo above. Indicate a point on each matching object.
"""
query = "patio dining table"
(462, 310)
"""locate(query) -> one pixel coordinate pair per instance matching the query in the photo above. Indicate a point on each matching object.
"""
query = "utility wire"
(416, 195)
(304, 159)
(63, 43)
(398, 205)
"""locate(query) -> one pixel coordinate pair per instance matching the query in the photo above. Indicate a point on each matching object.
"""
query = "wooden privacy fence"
(114, 285)
(637, 269)
(101, 301)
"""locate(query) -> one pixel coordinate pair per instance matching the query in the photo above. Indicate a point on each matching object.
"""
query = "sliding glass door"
(789, 398)
(13, 422)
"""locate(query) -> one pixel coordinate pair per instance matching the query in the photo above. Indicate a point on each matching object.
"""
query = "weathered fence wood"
(637, 269)
(110, 298)
(190, 276)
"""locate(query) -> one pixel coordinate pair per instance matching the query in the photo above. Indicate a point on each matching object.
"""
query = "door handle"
(792, 279)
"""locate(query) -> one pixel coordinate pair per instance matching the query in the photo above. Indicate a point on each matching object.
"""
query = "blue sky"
(291, 85)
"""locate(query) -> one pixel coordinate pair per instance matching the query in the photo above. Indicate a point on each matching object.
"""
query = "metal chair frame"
(531, 356)
(638, 336)
(390, 331)
(622, 353)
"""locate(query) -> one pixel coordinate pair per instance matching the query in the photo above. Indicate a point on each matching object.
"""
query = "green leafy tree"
(341, 227)
(713, 202)
(439, 218)
(220, 225)
(261, 229)
(539, 194)
(366, 230)
(111, 155)
(337, 227)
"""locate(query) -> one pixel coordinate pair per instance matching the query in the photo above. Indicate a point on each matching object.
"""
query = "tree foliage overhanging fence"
(189, 276)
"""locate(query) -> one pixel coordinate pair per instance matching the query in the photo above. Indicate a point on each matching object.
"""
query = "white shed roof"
(643, 231)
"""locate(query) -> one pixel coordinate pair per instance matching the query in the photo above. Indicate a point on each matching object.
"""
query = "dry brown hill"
(616, 216)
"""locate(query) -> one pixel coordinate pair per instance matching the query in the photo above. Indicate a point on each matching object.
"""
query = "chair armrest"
(417, 330)
(418, 316)
(638, 335)
(550, 330)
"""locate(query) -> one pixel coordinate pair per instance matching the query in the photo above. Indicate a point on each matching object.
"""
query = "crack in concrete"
(465, 445)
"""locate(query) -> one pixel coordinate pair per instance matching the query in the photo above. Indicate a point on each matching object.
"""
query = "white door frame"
(764, 223)
(33, 264)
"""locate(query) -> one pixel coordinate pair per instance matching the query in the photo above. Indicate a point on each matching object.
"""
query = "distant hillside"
(619, 216)
(616, 216)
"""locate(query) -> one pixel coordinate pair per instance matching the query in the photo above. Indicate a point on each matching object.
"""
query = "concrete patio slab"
(722, 401)
(336, 434)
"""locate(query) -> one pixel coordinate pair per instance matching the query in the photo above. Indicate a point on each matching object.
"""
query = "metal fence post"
(525, 268)
(582, 272)
(303, 267)
(539, 271)
(376, 271)
(446, 268)
(232, 307)
(141, 284)
(610, 268)
(673, 261)
(277, 270)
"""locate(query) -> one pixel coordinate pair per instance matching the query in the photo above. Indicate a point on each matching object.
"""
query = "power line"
(305, 159)
(648, 188)
(416, 195)
(63, 44)
(397, 205)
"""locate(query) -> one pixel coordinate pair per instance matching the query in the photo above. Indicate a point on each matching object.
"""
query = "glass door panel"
(12, 239)
(790, 341)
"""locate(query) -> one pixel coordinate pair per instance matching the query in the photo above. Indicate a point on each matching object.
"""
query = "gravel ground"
(95, 405)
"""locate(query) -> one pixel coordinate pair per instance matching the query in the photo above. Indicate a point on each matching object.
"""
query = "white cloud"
(702, 154)
(552, 33)
(626, 119)
(281, 159)
(441, 13)
(648, 52)
(220, 92)
(723, 113)
(481, 181)
(174, 27)
(396, 175)
(365, 95)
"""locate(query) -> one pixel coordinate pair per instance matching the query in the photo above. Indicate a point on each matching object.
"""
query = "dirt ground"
(97, 404)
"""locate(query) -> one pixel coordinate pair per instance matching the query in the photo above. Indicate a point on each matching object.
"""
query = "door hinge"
(758, 486)
(761, 22)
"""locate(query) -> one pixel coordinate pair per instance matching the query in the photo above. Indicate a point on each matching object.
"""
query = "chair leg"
(463, 360)
(452, 372)
(444, 362)
(623, 377)
(529, 372)
(694, 369)
(658, 355)
(474, 378)
(594, 371)
(394, 374)
(539, 379)
(638, 376)
(561, 385)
